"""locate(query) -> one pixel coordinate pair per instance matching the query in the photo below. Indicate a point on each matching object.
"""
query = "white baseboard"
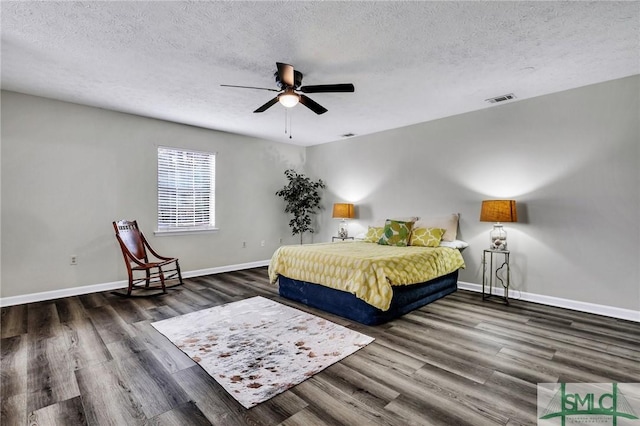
(76, 291)
(608, 311)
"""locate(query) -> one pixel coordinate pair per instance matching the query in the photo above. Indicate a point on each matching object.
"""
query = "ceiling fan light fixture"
(289, 98)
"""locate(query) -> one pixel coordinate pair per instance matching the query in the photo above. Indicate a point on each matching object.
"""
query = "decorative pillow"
(396, 233)
(426, 237)
(448, 222)
(381, 222)
(373, 234)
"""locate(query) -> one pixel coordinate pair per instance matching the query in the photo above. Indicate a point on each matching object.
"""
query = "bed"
(363, 281)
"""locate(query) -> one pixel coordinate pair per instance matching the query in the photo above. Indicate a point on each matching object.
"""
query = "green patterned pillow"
(396, 233)
(373, 234)
(426, 237)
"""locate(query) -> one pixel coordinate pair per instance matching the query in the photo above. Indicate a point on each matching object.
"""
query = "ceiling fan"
(290, 82)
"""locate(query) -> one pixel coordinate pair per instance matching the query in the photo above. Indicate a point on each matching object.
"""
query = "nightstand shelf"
(341, 238)
(493, 272)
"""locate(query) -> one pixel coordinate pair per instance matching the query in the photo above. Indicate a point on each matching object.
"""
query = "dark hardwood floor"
(95, 360)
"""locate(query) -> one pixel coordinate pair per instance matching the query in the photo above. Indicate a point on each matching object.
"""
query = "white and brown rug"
(257, 348)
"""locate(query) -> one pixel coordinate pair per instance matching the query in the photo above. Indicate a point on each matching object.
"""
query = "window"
(186, 190)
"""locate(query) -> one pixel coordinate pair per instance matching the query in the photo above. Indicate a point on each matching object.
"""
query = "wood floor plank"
(151, 384)
(554, 368)
(13, 321)
(162, 312)
(130, 311)
(216, 404)
(107, 399)
(359, 386)
(545, 337)
(13, 365)
(13, 409)
(601, 336)
(522, 392)
(127, 347)
(416, 413)
(70, 309)
(432, 399)
(93, 300)
(343, 408)
(111, 327)
(276, 410)
(186, 414)
(471, 334)
(42, 320)
(50, 377)
(401, 361)
(437, 407)
(306, 417)
(439, 355)
(84, 344)
(63, 413)
(504, 403)
(170, 357)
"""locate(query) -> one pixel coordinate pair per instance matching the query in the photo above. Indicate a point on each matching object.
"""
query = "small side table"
(341, 238)
(493, 271)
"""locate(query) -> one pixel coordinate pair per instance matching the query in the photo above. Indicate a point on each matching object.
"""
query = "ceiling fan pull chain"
(285, 121)
(290, 119)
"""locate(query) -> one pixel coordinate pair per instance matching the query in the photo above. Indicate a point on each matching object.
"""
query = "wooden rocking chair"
(134, 249)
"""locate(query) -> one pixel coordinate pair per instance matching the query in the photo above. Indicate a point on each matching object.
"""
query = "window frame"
(184, 230)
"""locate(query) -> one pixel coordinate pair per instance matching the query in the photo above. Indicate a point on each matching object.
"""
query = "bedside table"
(341, 238)
(493, 272)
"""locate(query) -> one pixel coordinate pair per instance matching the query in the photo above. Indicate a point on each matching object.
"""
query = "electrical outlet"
(74, 260)
(262, 243)
(244, 244)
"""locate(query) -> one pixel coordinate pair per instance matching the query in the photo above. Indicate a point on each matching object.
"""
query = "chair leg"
(148, 282)
(130, 284)
(179, 273)
(161, 275)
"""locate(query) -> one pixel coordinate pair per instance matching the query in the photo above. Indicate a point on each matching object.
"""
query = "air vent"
(348, 135)
(501, 98)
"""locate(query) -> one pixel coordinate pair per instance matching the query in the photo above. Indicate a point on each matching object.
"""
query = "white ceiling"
(410, 62)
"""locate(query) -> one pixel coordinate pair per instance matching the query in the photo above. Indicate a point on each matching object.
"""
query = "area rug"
(257, 348)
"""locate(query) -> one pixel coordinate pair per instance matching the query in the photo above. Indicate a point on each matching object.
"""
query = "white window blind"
(186, 190)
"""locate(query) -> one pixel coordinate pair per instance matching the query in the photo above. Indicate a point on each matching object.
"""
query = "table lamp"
(343, 211)
(498, 211)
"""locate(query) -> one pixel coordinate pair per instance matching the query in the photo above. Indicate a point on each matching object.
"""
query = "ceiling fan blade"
(327, 88)
(249, 87)
(312, 105)
(268, 105)
(285, 72)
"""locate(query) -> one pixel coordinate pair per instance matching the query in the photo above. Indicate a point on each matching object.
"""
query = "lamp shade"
(498, 211)
(343, 211)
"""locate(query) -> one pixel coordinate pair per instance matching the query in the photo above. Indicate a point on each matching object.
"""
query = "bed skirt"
(405, 298)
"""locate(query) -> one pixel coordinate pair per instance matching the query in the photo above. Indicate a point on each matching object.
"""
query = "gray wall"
(69, 170)
(570, 159)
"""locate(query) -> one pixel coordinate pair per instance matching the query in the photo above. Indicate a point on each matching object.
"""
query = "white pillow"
(456, 244)
(448, 222)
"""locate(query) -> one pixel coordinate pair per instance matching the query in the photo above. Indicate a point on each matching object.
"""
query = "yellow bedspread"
(367, 270)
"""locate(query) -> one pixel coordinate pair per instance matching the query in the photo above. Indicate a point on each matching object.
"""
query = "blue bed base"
(405, 298)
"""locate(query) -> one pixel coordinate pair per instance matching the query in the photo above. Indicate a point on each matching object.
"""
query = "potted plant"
(303, 198)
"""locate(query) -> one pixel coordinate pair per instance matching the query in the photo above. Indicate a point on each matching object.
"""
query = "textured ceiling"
(410, 62)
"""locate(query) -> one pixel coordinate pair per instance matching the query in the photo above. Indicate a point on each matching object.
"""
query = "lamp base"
(342, 230)
(498, 238)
